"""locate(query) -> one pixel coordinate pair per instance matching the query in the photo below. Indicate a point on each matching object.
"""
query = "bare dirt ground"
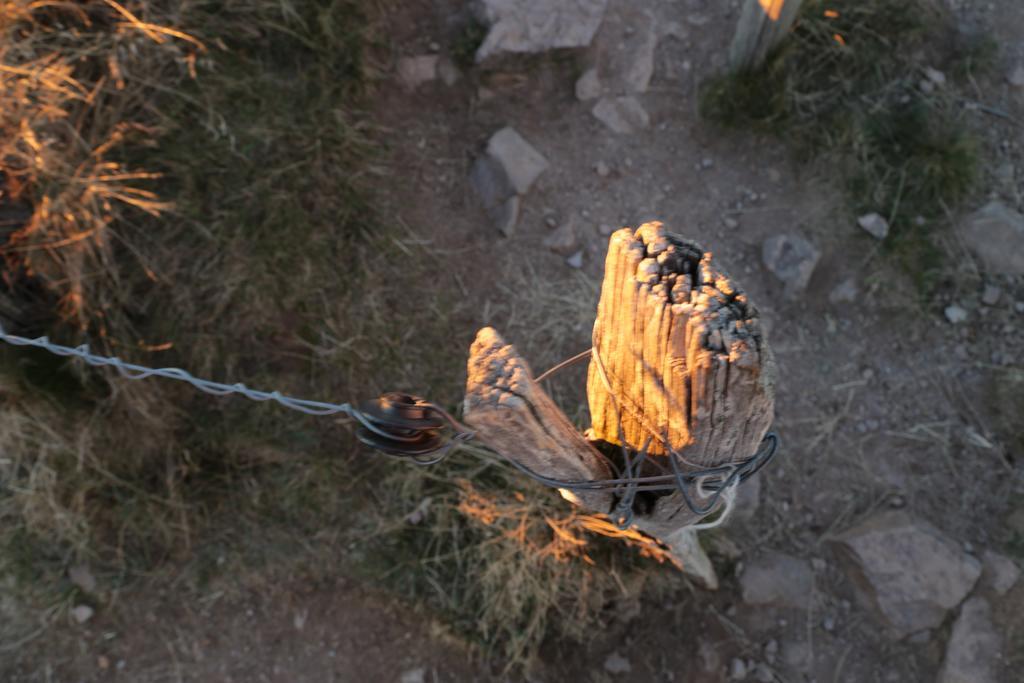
(877, 401)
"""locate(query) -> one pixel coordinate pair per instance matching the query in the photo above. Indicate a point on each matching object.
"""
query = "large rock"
(999, 572)
(621, 114)
(531, 26)
(792, 259)
(777, 579)
(520, 161)
(995, 233)
(906, 570)
(632, 63)
(972, 654)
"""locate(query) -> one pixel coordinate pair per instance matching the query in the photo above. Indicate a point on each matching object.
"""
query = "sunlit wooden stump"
(679, 364)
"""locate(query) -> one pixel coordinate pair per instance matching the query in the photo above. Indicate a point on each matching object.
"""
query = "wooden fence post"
(679, 363)
(763, 24)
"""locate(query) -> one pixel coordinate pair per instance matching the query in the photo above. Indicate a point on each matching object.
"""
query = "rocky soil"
(885, 543)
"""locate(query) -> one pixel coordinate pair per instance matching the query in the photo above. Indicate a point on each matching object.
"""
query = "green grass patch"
(851, 82)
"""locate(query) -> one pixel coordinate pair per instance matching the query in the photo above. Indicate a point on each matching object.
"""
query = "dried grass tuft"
(74, 93)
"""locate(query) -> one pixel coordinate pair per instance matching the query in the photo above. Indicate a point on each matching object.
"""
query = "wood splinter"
(679, 362)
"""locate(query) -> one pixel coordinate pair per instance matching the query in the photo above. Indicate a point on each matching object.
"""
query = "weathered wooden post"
(679, 369)
(762, 25)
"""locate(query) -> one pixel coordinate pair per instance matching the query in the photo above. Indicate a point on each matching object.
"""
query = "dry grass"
(130, 476)
(270, 268)
(70, 101)
(509, 562)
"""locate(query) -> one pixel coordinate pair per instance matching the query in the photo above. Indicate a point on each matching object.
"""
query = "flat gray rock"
(972, 654)
(520, 161)
(532, 26)
(622, 115)
(777, 579)
(791, 259)
(630, 66)
(908, 571)
(995, 233)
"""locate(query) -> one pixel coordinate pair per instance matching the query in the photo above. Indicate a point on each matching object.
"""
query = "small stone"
(972, 652)
(617, 664)
(1018, 306)
(777, 579)
(82, 577)
(521, 162)
(534, 26)
(602, 169)
(448, 72)
(550, 221)
(771, 651)
(588, 86)
(1016, 76)
(103, 662)
(563, 240)
(906, 570)
(707, 162)
(417, 675)
(737, 670)
(82, 613)
(576, 260)
(605, 230)
(995, 233)
(999, 572)
(875, 224)
(845, 292)
(791, 259)
(935, 76)
(763, 674)
(621, 115)
(828, 622)
(730, 222)
(416, 71)
(990, 295)
(955, 314)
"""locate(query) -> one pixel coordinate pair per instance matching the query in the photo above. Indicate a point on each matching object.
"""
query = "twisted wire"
(135, 372)
(389, 432)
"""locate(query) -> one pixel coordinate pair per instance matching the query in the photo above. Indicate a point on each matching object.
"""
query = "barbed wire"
(133, 371)
(410, 428)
